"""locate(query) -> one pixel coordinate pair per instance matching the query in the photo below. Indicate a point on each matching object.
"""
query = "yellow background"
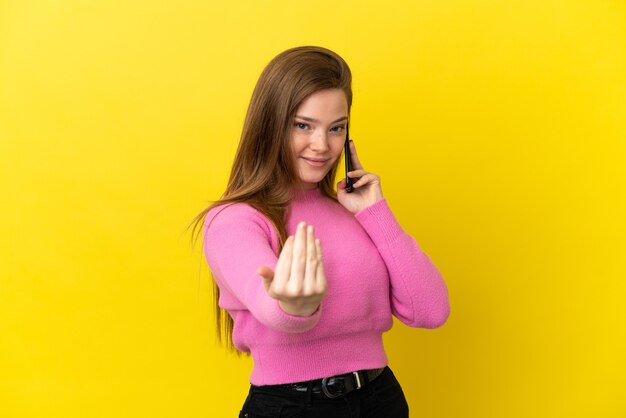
(498, 130)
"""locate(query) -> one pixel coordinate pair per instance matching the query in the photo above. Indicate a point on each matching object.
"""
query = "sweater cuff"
(294, 323)
(379, 222)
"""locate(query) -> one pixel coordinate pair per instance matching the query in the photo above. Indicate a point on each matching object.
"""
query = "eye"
(301, 125)
(339, 128)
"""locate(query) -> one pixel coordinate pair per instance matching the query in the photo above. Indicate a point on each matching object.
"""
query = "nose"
(319, 141)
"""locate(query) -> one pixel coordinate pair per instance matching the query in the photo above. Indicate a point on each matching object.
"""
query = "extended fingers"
(308, 287)
(320, 277)
(298, 263)
(283, 268)
(299, 272)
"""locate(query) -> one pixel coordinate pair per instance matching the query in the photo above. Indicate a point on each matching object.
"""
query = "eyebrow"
(315, 120)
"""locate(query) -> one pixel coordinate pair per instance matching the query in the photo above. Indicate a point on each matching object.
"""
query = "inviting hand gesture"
(367, 190)
(299, 282)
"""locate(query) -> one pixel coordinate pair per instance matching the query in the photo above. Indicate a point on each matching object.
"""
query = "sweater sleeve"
(419, 296)
(237, 241)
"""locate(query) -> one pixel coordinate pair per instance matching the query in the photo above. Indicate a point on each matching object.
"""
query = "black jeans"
(381, 398)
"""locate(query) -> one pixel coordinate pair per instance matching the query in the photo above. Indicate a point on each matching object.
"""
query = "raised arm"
(236, 243)
(419, 296)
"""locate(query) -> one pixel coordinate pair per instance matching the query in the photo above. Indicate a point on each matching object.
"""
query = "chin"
(311, 182)
(313, 177)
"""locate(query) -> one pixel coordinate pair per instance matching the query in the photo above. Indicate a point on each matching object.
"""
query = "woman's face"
(318, 135)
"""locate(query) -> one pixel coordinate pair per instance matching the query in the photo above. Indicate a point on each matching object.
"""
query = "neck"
(307, 193)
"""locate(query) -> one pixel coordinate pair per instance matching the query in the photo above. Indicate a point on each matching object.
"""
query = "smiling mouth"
(315, 163)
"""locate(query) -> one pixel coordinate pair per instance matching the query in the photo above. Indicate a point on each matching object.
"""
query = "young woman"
(310, 277)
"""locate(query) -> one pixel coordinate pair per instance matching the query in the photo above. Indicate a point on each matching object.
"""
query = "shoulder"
(237, 215)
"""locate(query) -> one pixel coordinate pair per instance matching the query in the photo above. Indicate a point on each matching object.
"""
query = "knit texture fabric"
(373, 268)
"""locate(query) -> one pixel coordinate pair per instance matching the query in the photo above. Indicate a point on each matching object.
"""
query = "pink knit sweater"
(373, 268)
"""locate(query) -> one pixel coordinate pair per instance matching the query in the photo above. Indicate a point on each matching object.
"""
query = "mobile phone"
(348, 161)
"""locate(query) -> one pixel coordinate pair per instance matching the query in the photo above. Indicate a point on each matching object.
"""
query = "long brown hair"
(263, 172)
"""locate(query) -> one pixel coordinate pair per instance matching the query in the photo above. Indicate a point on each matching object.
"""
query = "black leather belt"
(335, 386)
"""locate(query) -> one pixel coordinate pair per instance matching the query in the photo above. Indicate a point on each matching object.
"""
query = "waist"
(328, 387)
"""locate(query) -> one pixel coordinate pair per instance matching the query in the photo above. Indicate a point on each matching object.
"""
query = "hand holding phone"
(370, 190)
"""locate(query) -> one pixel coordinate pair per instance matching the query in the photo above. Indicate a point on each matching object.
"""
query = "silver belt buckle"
(357, 379)
(325, 389)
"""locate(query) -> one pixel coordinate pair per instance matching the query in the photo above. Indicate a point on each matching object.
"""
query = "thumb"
(341, 185)
(267, 274)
